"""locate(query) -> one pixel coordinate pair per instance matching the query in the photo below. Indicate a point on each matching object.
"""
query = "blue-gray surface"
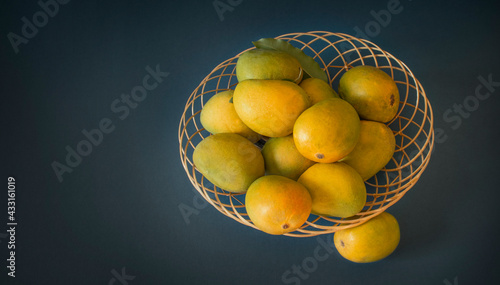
(115, 218)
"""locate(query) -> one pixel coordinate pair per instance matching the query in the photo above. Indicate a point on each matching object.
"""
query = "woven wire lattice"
(336, 53)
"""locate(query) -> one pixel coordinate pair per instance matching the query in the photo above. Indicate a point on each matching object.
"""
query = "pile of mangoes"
(320, 145)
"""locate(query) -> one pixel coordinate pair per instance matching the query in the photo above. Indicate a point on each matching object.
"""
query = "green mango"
(268, 64)
(229, 161)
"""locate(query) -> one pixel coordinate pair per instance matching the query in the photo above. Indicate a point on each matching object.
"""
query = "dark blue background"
(120, 207)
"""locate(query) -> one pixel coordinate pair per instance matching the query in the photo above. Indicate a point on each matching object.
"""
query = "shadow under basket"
(335, 53)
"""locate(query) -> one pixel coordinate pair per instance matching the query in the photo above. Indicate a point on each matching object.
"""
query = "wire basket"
(336, 53)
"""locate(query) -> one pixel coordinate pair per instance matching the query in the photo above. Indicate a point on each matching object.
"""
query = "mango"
(277, 205)
(229, 161)
(327, 131)
(269, 107)
(281, 157)
(317, 90)
(371, 91)
(218, 116)
(371, 241)
(336, 189)
(374, 149)
(268, 64)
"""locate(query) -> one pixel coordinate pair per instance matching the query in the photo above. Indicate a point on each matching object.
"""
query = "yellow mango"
(371, 241)
(218, 116)
(269, 107)
(327, 131)
(318, 90)
(281, 157)
(371, 91)
(336, 189)
(374, 149)
(277, 205)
